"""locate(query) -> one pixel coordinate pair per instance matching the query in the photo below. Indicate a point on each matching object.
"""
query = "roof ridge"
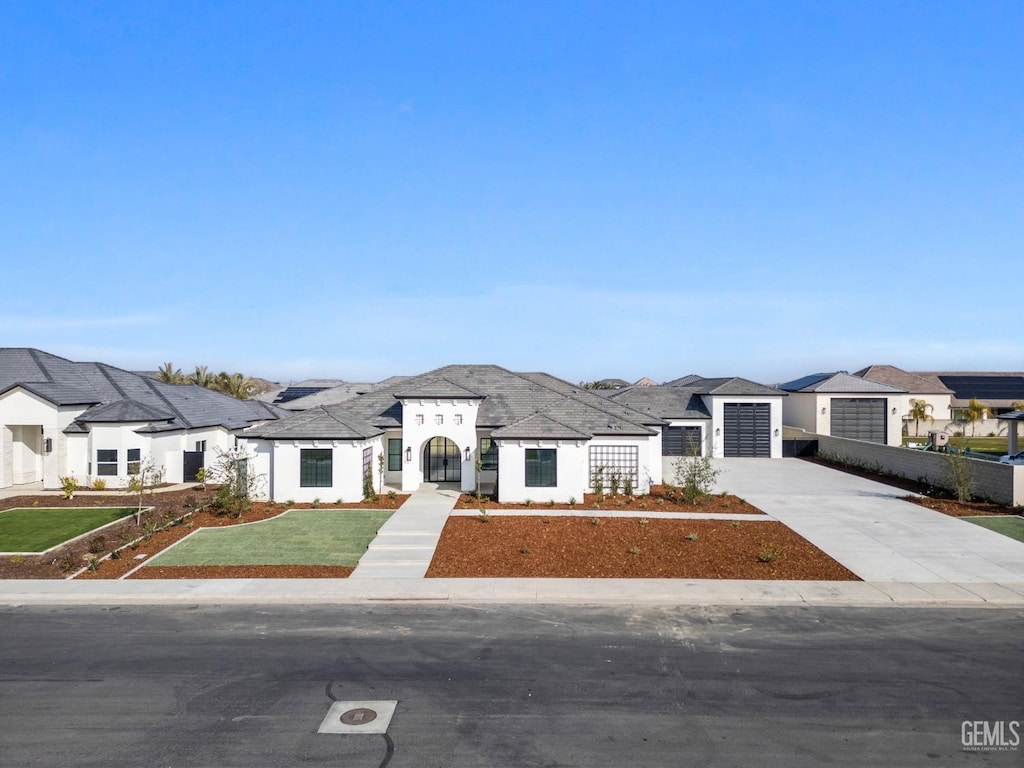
(33, 353)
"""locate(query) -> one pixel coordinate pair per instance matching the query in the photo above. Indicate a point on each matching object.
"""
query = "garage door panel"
(859, 418)
(747, 430)
(681, 441)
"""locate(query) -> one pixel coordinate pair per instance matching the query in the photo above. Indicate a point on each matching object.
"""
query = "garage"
(681, 441)
(747, 430)
(859, 418)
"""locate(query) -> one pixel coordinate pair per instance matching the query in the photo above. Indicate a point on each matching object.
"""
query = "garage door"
(859, 418)
(747, 429)
(681, 441)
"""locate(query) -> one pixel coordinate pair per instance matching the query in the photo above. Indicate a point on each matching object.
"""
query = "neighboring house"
(94, 421)
(316, 392)
(722, 417)
(535, 437)
(842, 405)
(999, 392)
(930, 390)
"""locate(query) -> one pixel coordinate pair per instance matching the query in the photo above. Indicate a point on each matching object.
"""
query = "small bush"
(316, 503)
(644, 521)
(627, 485)
(525, 551)
(572, 501)
(697, 476)
(960, 475)
(551, 502)
(93, 564)
(115, 555)
(97, 544)
(769, 553)
(290, 503)
(99, 484)
(734, 523)
(613, 483)
(17, 559)
(392, 495)
(693, 536)
(595, 521)
(484, 517)
(634, 550)
(528, 503)
(69, 486)
(66, 561)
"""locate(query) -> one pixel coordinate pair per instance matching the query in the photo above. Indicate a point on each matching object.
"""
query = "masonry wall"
(1001, 483)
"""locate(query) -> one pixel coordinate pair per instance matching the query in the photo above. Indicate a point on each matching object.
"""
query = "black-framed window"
(541, 467)
(106, 462)
(488, 454)
(316, 467)
(200, 446)
(134, 460)
(394, 454)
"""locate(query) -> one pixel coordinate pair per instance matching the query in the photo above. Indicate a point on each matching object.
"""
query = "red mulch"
(574, 547)
(661, 499)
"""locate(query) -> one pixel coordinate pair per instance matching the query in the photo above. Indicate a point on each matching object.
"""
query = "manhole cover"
(360, 716)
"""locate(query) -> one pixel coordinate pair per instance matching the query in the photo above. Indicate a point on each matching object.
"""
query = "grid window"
(200, 445)
(394, 454)
(621, 460)
(134, 460)
(458, 419)
(419, 419)
(106, 463)
(488, 454)
(438, 419)
(316, 467)
(541, 467)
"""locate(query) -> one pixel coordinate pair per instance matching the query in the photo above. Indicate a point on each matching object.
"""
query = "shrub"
(369, 492)
(484, 517)
(734, 523)
(290, 503)
(69, 485)
(960, 475)
(528, 503)
(613, 483)
(634, 550)
(97, 544)
(525, 550)
(595, 521)
(66, 561)
(316, 502)
(644, 521)
(627, 485)
(99, 484)
(597, 481)
(392, 495)
(572, 501)
(115, 555)
(551, 502)
(93, 564)
(769, 553)
(693, 536)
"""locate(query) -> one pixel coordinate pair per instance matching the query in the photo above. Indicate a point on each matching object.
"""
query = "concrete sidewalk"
(539, 591)
(870, 529)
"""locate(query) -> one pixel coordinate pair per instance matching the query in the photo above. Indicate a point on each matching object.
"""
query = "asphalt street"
(507, 686)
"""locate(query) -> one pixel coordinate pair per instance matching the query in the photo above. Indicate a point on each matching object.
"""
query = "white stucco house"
(843, 405)
(933, 392)
(95, 421)
(536, 436)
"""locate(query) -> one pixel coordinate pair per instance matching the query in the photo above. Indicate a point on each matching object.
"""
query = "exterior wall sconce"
(776, 433)
(718, 431)
(823, 409)
(467, 453)
(408, 454)
(894, 410)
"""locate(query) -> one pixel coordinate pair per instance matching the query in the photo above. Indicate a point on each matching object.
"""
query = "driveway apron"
(869, 528)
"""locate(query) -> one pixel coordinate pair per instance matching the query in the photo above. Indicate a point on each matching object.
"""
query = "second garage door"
(859, 418)
(747, 429)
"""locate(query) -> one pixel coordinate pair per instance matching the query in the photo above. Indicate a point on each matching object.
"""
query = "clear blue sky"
(360, 189)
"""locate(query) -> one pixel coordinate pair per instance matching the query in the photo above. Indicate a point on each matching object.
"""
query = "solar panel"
(294, 393)
(986, 387)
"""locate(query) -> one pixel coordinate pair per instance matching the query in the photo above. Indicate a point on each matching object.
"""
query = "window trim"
(537, 463)
(134, 465)
(312, 476)
(103, 468)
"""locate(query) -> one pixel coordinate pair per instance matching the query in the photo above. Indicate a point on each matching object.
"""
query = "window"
(488, 454)
(615, 460)
(541, 468)
(419, 419)
(394, 454)
(438, 419)
(200, 446)
(134, 460)
(458, 419)
(316, 467)
(106, 463)
(368, 469)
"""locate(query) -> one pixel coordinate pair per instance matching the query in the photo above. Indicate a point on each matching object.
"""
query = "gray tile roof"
(539, 426)
(436, 388)
(317, 423)
(123, 411)
(838, 383)
(669, 403)
(731, 385)
(897, 377)
(63, 382)
(508, 398)
(683, 381)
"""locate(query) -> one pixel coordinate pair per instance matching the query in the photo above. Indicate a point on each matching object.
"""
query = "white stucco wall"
(571, 475)
(416, 436)
(812, 411)
(30, 420)
(717, 408)
(280, 462)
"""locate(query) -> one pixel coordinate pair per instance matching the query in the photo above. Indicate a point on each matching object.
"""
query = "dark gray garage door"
(681, 441)
(859, 418)
(747, 429)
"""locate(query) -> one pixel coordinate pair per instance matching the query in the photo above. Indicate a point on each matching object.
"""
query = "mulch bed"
(925, 494)
(167, 507)
(574, 547)
(661, 499)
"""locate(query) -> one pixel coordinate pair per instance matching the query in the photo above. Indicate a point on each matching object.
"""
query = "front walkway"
(869, 528)
(405, 544)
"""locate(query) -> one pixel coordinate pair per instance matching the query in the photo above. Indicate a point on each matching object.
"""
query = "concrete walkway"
(405, 543)
(870, 529)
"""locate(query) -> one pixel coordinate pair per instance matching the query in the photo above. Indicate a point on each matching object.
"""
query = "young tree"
(146, 477)
(238, 485)
(696, 475)
(919, 412)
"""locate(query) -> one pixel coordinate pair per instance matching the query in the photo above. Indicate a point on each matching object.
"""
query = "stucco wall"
(284, 478)
(571, 473)
(416, 436)
(717, 406)
(1001, 483)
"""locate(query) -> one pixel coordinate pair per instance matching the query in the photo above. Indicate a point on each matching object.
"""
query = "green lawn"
(298, 537)
(36, 529)
(1008, 525)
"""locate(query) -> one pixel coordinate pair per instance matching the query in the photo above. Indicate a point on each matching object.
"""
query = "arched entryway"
(442, 461)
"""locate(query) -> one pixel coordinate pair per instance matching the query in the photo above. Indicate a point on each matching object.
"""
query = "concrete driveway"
(867, 526)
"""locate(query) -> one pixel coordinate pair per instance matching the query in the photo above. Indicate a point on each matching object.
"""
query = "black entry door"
(192, 462)
(747, 429)
(442, 462)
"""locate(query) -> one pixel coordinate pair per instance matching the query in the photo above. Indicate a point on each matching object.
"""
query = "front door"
(192, 462)
(442, 461)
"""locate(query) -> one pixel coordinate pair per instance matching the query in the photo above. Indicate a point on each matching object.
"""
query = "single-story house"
(94, 421)
(933, 392)
(999, 392)
(843, 405)
(521, 435)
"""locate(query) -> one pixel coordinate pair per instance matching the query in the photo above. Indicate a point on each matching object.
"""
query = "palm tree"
(974, 411)
(168, 374)
(202, 377)
(235, 384)
(919, 412)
